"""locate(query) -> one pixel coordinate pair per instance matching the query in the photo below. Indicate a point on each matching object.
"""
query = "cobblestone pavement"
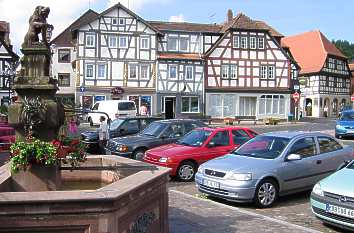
(188, 214)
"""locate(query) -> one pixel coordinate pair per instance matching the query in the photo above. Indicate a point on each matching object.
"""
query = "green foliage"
(3, 109)
(345, 47)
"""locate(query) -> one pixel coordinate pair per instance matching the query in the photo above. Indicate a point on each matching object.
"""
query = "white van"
(123, 108)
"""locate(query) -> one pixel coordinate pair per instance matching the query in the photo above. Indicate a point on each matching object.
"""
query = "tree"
(345, 47)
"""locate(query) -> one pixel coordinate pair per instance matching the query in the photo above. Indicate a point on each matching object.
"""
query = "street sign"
(82, 89)
(352, 97)
(296, 96)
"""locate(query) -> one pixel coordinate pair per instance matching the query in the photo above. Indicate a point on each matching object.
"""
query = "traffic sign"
(352, 97)
(82, 89)
(296, 96)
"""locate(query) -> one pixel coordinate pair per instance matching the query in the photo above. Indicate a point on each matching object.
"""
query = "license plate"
(211, 184)
(349, 213)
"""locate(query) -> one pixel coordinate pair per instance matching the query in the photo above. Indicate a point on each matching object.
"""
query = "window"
(236, 42)
(126, 106)
(89, 71)
(189, 73)
(340, 65)
(130, 126)
(121, 22)
(328, 145)
(260, 42)
(225, 71)
(101, 71)
(190, 104)
(221, 138)
(305, 147)
(64, 80)
(174, 131)
(133, 71)
(189, 126)
(228, 71)
(233, 72)
(271, 72)
(267, 72)
(172, 43)
(123, 42)
(90, 40)
(275, 104)
(144, 72)
(263, 72)
(331, 63)
(64, 55)
(244, 42)
(183, 44)
(144, 43)
(112, 41)
(253, 43)
(272, 104)
(239, 137)
(172, 72)
(114, 21)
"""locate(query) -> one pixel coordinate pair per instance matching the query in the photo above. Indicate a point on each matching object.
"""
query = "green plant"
(3, 109)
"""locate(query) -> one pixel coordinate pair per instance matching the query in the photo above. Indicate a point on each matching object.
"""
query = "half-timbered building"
(180, 75)
(247, 72)
(7, 58)
(64, 60)
(117, 48)
(351, 68)
(325, 76)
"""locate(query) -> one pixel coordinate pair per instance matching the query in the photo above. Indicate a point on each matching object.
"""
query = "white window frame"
(136, 71)
(147, 42)
(109, 41)
(189, 104)
(280, 99)
(271, 72)
(147, 71)
(168, 43)
(253, 42)
(93, 71)
(179, 42)
(191, 68)
(260, 42)
(243, 42)
(116, 21)
(120, 23)
(104, 71)
(169, 71)
(233, 74)
(126, 42)
(224, 71)
(92, 39)
(263, 71)
(236, 42)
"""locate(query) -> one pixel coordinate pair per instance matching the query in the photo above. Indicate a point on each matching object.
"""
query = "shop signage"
(117, 91)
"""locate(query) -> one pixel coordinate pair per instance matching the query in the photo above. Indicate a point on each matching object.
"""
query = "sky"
(289, 17)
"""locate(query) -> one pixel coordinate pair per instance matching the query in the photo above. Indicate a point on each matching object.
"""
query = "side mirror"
(293, 157)
(211, 144)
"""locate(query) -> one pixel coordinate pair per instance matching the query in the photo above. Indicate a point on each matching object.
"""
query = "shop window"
(190, 104)
(64, 80)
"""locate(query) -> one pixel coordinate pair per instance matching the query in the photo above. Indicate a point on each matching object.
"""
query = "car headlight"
(163, 160)
(318, 190)
(200, 169)
(340, 127)
(240, 176)
(123, 148)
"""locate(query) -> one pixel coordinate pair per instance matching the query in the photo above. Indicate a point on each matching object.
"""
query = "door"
(170, 105)
(301, 173)
(218, 145)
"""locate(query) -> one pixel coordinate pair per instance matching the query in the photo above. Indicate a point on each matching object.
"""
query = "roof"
(292, 134)
(310, 50)
(64, 38)
(179, 56)
(188, 27)
(119, 5)
(242, 21)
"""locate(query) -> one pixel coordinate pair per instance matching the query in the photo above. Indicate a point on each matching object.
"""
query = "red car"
(197, 147)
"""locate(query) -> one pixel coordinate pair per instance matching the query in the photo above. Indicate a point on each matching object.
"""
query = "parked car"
(270, 165)
(156, 134)
(345, 124)
(197, 147)
(122, 108)
(332, 199)
(118, 128)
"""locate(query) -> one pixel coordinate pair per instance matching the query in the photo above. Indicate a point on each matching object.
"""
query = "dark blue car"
(345, 124)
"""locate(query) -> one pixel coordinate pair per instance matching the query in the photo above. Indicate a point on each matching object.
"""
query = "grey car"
(271, 165)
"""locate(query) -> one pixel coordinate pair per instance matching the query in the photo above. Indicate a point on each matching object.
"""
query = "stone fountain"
(105, 194)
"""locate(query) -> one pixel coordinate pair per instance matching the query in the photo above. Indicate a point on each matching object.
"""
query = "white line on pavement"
(249, 213)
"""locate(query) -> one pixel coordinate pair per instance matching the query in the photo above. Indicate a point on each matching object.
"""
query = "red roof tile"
(310, 50)
(179, 56)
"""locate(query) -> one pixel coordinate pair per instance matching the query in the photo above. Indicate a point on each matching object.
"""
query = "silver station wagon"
(271, 165)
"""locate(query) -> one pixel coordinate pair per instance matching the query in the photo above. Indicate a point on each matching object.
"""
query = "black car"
(118, 128)
(156, 134)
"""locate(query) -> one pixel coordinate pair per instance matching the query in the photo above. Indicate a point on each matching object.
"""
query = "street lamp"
(8, 75)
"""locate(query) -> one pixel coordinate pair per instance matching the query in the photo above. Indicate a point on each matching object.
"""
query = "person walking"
(143, 110)
(103, 134)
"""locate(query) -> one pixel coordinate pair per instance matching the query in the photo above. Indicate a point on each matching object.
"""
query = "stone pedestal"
(37, 178)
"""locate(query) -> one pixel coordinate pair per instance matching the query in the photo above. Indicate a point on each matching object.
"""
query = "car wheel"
(91, 122)
(266, 193)
(139, 154)
(186, 171)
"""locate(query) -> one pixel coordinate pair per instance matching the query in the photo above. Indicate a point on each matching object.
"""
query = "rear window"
(126, 106)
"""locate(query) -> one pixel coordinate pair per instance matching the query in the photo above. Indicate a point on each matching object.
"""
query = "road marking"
(248, 212)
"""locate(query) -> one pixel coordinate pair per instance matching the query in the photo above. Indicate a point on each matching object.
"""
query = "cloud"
(62, 14)
(135, 5)
(177, 18)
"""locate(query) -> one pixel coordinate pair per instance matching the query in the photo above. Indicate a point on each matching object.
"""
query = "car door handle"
(318, 161)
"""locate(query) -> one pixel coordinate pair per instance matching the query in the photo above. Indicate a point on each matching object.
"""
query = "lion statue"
(37, 24)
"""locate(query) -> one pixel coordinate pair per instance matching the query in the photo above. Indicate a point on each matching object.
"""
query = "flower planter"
(38, 177)
(228, 121)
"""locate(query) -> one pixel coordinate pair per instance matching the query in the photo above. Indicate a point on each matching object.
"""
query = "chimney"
(230, 16)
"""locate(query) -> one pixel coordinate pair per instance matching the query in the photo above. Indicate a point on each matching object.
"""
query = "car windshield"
(116, 123)
(154, 129)
(194, 138)
(347, 116)
(265, 147)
